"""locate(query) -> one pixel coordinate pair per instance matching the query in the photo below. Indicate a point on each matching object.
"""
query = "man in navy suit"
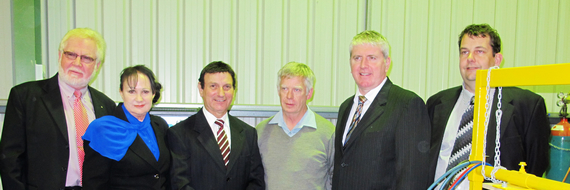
(212, 149)
(524, 125)
(39, 148)
(383, 142)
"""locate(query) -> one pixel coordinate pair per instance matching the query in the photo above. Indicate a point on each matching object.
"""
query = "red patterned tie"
(223, 142)
(81, 123)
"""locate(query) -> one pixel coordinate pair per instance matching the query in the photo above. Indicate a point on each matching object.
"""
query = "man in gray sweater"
(296, 144)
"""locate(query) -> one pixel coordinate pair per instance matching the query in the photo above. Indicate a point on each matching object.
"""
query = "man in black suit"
(524, 125)
(212, 149)
(39, 147)
(382, 143)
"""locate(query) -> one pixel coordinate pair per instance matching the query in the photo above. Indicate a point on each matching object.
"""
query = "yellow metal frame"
(520, 76)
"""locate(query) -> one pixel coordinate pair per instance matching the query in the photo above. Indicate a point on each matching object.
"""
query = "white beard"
(74, 82)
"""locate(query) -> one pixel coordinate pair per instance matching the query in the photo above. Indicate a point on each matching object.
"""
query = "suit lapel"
(507, 108)
(52, 101)
(442, 113)
(162, 147)
(374, 112)
(343, 114)
(140, 148)
(98, 107)
(207, 139)
(238, 141)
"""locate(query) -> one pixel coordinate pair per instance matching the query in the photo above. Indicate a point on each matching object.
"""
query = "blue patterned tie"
(356, 117)
(462, 146)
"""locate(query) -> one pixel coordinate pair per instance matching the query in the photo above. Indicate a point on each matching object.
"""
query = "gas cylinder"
(560, 152)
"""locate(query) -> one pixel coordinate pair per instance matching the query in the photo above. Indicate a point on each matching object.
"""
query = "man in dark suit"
(39, 147)
(211, 149)
(524, 124)
(382, 143)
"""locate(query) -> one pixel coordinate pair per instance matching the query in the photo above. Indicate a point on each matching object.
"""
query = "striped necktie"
(356, 117)
(462, 146)
(223, 142)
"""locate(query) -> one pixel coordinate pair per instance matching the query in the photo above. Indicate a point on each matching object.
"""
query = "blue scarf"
(111, 137)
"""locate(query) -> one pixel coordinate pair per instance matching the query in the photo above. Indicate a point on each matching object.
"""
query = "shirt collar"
(211, 118)
(371, 94)
(465, 92)
(307, 120)
(67, 91)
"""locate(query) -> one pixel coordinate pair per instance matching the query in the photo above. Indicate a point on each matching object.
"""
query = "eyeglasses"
(84, 59)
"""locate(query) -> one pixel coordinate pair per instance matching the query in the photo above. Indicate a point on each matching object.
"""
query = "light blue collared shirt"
(307, 120)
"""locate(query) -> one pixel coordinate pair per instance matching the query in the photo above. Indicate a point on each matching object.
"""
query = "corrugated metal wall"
(177, 38)
(6, 52)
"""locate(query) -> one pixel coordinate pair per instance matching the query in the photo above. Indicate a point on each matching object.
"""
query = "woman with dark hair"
(127, 150)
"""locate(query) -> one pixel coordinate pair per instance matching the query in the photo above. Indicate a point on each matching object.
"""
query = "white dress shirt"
(451, 132)
(211, 121)
(369, 98)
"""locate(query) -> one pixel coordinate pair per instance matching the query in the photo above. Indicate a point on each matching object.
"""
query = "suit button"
(63, 169)
(156, 176)
(343, 165)
(228, 179)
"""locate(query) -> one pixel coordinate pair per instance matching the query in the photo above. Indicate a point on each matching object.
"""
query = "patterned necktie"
(462, 146)
(223, 142)
(81, 123)
(356, 117)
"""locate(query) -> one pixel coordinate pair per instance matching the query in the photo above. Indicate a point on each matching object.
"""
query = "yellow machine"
(520, 76)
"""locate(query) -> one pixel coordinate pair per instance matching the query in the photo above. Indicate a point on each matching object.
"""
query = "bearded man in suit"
(41, 146)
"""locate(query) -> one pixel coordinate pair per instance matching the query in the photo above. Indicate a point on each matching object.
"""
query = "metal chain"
(499, 115)
(486, 123)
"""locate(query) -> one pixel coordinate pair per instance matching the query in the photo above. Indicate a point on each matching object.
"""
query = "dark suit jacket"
(137, 170)
(35, 148)
(524, 128)
(197, 161)
(389, 148)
